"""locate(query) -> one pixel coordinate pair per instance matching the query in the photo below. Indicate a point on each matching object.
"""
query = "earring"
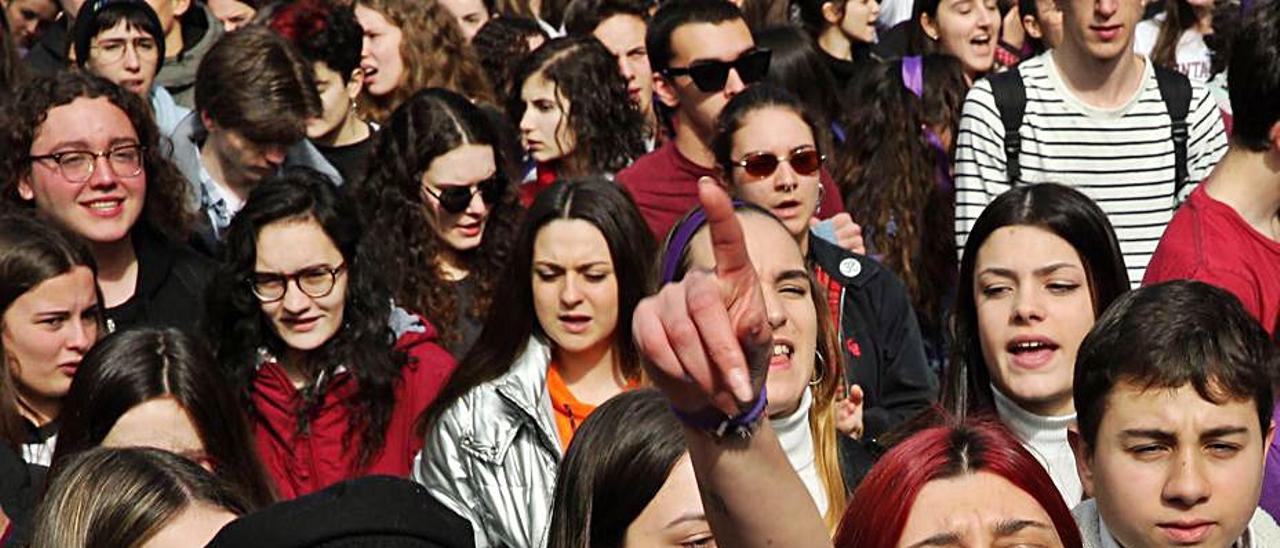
(822, 191)
(820, 371)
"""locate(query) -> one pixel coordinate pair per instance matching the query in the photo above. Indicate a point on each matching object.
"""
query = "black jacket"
(883, 350)
(171, 284)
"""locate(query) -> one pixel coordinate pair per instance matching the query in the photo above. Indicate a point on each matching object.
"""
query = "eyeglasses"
(77, 166)
(711, 76)
(112, 51)
(804, 159)
(313, 282)
(455, 199)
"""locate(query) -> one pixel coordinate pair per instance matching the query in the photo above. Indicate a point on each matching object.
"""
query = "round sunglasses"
(455, 199)
(804, 159)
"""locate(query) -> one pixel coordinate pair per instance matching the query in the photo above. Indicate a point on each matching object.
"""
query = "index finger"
(728, 244)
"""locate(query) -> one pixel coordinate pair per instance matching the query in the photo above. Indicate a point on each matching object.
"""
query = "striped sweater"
(1122, 158)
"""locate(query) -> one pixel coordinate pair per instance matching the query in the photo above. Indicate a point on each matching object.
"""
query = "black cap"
(369, 511)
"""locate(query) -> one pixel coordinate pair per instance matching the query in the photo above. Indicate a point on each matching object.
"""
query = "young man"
(190, 31)
(1228, 232)
(1173, 390)
(254, 95)
(620, 25)
(1095, 119)
(711, 34)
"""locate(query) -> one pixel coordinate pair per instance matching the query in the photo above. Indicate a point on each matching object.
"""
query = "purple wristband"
(741, 426)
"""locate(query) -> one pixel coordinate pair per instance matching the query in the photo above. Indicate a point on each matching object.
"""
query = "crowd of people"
(634, 273)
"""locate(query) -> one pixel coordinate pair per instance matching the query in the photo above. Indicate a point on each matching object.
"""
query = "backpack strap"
(1011, 102)
(1175, 90)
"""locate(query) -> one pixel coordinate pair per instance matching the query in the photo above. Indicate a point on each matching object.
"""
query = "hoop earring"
(820, 371)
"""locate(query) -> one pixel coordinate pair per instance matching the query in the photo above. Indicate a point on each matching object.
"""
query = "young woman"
(1175, 39)
(965, 29)
(943, 475)
(94, 164)
(333, 377)
(50, 315)
(134, 497)
(329, 37)
(161, 388)
(122, 41)
(555, 345)
(844, 31)
(1040, 266)
(806, 364)
(575, 115)
(895, 172)
(234, 13)
(410, 45)
(470, 15)
(626, 480)
(767, 146)
(444, 211)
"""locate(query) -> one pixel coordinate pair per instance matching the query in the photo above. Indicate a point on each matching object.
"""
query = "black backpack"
(1011, 101)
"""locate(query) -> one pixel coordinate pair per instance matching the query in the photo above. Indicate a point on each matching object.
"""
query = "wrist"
(719, 425)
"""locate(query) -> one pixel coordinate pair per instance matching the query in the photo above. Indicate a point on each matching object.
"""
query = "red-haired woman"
(973, 473)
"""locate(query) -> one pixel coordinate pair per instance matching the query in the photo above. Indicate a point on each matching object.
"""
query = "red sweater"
(665, 185)
(302, 463)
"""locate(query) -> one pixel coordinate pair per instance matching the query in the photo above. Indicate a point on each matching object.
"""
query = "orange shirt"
(568, 410)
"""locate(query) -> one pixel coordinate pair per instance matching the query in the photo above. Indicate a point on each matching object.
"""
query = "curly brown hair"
(434, 54)
(165, 207)
(428, 125)
(887, 173)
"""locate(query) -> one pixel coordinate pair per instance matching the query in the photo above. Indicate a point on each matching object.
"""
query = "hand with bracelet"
(709, 340)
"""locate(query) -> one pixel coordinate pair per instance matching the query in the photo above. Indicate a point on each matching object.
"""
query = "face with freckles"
(466, 166)
(787, 192)
(45, 333)
(290, 247)
(104, 207)
(966, 29)
(977, 510)
(785, 284)
(1034, 307)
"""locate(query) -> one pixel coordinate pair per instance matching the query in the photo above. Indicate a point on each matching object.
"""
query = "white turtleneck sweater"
(1046, 438)
(797, 442)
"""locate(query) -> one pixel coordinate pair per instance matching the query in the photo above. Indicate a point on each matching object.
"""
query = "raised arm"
(707, 341)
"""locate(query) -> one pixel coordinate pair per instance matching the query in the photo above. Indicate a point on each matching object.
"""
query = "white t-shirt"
(1193, 56)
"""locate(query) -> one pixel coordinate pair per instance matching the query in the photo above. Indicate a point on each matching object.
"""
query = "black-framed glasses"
(455, 199)
(711, 76)
(805, 160)
(77, 166)
(314, 282)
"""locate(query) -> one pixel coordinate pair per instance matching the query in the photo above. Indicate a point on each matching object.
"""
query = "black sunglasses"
(455, 199)
(710, 76)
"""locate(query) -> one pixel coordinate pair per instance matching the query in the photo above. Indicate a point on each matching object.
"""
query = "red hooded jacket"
(301, 463)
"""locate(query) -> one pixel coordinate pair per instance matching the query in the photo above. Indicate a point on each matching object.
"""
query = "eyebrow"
(789, 275)
(558, 266)
(1170, 437)
(950, 538)
(1013, 526)
(1039, 272)
(685, 518)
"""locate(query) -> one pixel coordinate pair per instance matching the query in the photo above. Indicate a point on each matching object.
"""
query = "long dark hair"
(1179, 16)
(1061, 210)
(619, 459)
(30, 253)
(164, 209)
(607, 127)
(798, 67)
(132, 367)
(365, 343)
(512, 320)
(12, 70)
(888, 173)
(757, 97)
(428, 125)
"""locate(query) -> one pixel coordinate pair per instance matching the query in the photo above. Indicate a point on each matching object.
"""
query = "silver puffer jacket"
(492, 456)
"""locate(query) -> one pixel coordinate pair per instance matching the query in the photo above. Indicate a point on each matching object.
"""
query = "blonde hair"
(434, 54)
(123, 497)
(822, 417)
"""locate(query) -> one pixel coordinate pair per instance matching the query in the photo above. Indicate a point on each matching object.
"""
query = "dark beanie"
(87, 26)
(370, 511)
